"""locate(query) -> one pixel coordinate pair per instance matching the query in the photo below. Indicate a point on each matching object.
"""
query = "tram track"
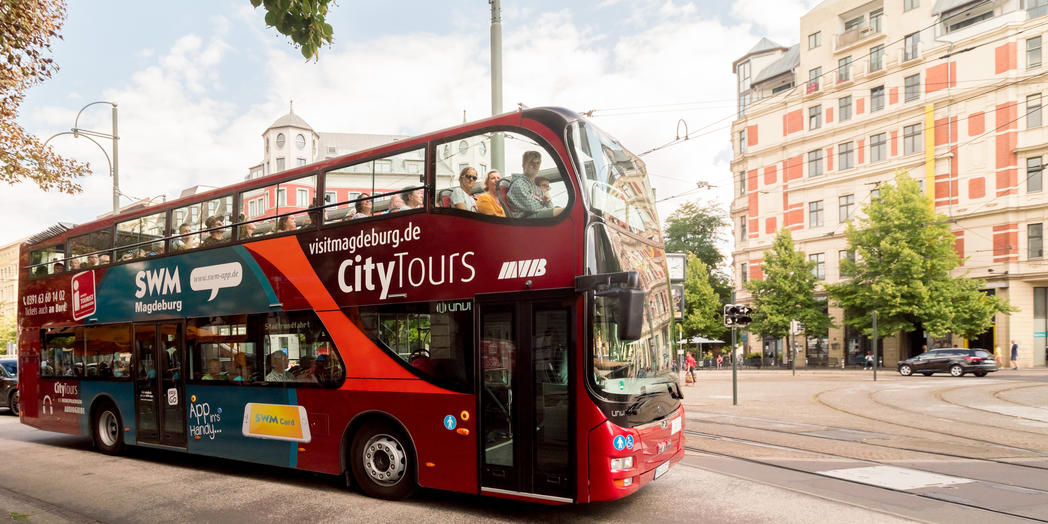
(997, 394)
(865, 443)
(818, 398)
(940, 395)
(777, 464)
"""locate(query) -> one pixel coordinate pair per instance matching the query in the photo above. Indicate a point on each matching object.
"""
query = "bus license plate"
(663, 468)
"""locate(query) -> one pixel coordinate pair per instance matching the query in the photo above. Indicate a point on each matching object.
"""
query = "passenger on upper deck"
(278, 368)
(362, 207)
(58, 267)
(488, 201)
(181, 243)
(462, 196)
(92, 260)
(286, 223)
(412, 198)
(215, 236)
(396, 203)
(525, 198)
(246, 230)
(104, 259)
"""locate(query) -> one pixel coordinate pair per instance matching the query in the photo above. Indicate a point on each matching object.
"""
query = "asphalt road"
(818, 444)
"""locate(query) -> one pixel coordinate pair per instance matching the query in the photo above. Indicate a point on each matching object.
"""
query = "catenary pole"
(875, 360)
(498, 148)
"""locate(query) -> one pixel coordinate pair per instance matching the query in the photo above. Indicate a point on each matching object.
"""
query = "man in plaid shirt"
(527, 200)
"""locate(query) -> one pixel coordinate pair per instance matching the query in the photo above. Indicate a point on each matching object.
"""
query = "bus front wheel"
(107, 430)
(382, 461)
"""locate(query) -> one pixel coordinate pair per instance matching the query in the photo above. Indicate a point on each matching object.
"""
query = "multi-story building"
(950, 91)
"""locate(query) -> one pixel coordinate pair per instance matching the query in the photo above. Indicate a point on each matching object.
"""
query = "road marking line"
(895, 477)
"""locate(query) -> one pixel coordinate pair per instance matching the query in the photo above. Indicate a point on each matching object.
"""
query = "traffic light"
(737, 315)
(742, 318)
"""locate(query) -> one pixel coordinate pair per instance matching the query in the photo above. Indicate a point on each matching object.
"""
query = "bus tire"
(107, 429)
(382, 461)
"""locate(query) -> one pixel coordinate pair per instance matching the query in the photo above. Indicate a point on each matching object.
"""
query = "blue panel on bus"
(121, 392)
(216, 421)
(211, 282)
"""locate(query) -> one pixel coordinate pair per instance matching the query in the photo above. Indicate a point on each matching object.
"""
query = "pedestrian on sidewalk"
(720, 361)
(997, 354)
(1015, 355)
(868, 364)
(689, 379)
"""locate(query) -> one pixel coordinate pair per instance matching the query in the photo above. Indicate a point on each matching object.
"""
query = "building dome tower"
(289, 142)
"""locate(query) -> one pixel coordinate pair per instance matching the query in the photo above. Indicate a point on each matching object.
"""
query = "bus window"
(297, 348)
(204, 224)
(432, 338)
(219, 349)
(141, 237)
(62, 352)
(527, 183)
(47, 261)
(279, 208)
(107, 351)
(89, 250)
(396, 175)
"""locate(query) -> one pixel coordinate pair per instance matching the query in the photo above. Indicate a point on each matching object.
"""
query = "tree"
(787, 292)
(698, 229)
(301, 20)
(902, 269)
(701, 303)
(27, 28)
(8, 332)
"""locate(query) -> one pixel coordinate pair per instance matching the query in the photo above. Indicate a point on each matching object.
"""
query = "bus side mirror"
(631, 314)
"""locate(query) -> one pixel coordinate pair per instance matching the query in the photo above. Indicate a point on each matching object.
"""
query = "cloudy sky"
(198, 82)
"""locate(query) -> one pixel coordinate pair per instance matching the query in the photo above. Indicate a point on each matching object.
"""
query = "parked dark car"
(9, 384)
(955, 361)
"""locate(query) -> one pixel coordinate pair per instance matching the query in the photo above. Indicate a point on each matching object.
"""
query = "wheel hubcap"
(385, 460)
(108, 429)
(955, 371)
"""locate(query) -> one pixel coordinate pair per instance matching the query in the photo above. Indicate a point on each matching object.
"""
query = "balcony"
(858, 34)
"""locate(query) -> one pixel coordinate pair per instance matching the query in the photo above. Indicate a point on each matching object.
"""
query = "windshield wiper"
(643, 399)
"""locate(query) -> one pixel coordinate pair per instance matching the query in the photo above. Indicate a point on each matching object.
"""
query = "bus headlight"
(621, 463)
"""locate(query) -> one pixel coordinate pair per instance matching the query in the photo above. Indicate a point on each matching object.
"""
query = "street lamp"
(114, 162)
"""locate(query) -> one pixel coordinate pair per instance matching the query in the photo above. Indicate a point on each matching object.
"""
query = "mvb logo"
(535, 267)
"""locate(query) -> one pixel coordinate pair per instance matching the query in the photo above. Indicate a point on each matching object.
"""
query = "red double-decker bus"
(381, 315)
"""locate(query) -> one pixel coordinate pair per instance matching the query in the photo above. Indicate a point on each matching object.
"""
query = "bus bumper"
(624, 459)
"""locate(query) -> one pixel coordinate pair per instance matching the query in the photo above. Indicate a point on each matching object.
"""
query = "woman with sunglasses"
(462, 196)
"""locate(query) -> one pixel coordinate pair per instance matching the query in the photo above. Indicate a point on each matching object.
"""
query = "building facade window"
(844, 108)
(815, 214)
(910, 46)
(742, 141)
(280, 140)
(1034, 172)
(846, 155)
(876, 99)
(912, 91)
(280, 164)
(813, 78)
(1034, 241)
(814, 117)
(1033, 111)
(846, 206)
(910, 4)
(1033, 52)
(843, 255)
(844, 69)
(877, 58)
(743, 73)
(302, 197)
(281, 197)
(815, 40)
(911, 139)
(819, 265)
(875, 194)
(742, 183)
(1036, 8)
(815, 163)
(878, 147)
(742, 229)
(300, 162)
(744, 274)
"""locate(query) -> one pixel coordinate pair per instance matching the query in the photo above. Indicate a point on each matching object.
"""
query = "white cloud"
(779, 20)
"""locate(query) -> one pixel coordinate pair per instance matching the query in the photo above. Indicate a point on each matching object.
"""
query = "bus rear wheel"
(382, 462)
(107, 430)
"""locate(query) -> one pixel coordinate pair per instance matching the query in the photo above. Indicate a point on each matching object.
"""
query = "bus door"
(526, 342)
(160, 409)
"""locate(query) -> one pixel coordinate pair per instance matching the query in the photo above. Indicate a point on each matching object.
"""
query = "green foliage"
(787, 292)
(8, 332)
(702, 306)
(698, 228)
(904, 254)
(301, 20)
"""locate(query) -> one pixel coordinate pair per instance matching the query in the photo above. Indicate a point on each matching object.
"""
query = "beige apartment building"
(950, 91)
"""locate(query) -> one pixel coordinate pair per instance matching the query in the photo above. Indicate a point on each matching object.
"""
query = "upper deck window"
(141, 237)
(501, 174)
(268, 210)
(47, 261)
(616, 182)
(374, 187)
(203, 224)
(91, 249)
